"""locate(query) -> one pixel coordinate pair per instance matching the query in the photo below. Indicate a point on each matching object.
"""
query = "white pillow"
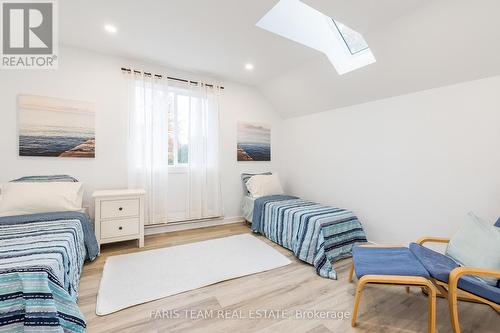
(32, 198)
(262, 185)
(476, 244)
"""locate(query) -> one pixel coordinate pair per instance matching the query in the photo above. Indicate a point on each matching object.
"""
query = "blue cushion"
(439, 267)
(386, 261)
(479, 287)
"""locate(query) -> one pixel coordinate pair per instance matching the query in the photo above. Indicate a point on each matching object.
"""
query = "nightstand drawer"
(119, 228)
(111, 209)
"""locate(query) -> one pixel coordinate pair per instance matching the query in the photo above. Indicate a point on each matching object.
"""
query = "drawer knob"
(120, 209)
(120, 228)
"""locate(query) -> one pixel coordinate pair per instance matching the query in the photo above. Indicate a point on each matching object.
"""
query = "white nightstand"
(119, 215)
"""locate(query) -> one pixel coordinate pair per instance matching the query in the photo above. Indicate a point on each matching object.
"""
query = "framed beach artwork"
(54, 127)
(254, 142)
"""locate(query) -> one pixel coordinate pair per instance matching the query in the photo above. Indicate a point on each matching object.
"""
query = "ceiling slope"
(443, 43)
(418, 44)
(366, 15)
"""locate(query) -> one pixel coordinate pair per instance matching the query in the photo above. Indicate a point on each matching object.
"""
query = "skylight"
(345, 48)
(353, 39)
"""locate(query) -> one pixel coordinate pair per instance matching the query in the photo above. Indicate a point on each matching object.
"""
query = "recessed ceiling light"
(110, 29)
(249, 67)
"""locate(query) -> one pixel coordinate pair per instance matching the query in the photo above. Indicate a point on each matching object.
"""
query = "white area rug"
(136, 278)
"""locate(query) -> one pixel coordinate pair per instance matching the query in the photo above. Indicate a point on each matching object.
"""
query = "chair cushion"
(479, 287)
(439, 267)
(386, 261)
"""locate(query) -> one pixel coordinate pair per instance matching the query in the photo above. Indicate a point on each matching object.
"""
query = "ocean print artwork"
(254, 142)
(55, 127)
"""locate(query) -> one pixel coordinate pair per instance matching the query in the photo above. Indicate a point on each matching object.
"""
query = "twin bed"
(317, 234)
(42, 255)
(41, 260)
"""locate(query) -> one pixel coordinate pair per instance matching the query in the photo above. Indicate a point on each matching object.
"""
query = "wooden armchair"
(467, 289)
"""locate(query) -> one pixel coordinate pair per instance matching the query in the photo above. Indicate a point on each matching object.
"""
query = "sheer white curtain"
(203, 166)
(148, 142)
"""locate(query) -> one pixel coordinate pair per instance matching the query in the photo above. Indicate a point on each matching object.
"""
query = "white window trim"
(176, 164)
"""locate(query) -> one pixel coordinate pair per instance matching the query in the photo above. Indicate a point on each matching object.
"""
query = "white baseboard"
(176, 226)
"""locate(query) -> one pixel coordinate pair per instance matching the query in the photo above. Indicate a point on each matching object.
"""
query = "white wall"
(408, 166)
(88, 76)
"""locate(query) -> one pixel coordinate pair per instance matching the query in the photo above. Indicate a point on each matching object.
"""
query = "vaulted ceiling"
(419, 44)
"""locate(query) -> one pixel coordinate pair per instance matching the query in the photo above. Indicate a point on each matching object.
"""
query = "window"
(173, 149)
(178, 128)
(353, 39)
(178, 104)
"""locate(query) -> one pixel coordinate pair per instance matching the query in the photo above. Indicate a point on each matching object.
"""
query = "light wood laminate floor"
(292, 289)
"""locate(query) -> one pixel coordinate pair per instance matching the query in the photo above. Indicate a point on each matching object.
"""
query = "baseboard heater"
(152, 229)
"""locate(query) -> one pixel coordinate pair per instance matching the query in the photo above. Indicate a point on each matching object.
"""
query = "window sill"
(178, 169)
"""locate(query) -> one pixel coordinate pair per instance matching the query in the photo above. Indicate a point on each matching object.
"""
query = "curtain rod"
(128, 70)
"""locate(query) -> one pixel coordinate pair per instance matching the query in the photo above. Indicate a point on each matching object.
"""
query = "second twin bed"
(317, 234)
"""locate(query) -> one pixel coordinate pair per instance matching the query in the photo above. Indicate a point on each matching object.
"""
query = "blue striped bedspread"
(40, 267)
(317, 234)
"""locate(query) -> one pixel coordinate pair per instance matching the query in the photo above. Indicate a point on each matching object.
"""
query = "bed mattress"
(247, 208)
